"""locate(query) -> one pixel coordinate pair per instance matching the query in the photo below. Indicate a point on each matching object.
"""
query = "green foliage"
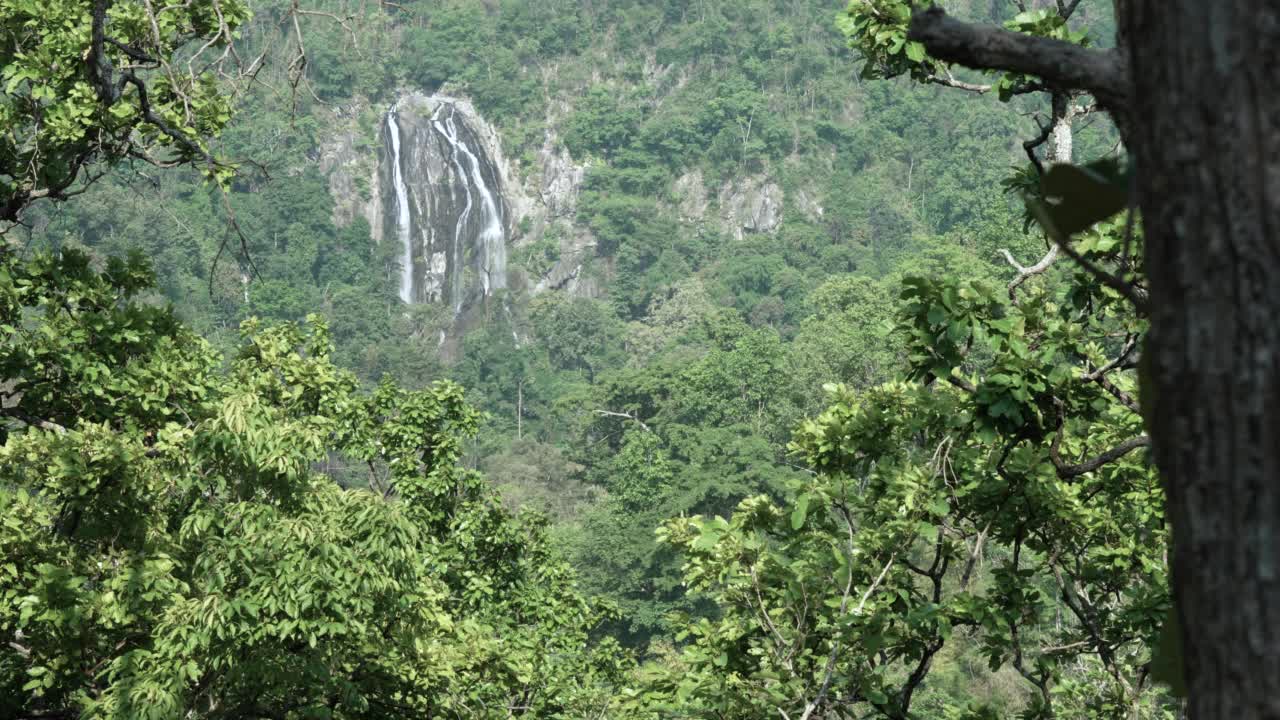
(878, 30)
(174, 541)
(601, 124)
(79, 91)
(923, 516)
(914, 484)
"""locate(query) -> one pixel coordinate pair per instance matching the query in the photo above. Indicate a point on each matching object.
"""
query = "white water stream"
(404, 225)
(480, 236)
(493, 247)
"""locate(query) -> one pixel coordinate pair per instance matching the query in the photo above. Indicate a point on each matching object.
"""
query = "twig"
(1067, 472)
(829, 670)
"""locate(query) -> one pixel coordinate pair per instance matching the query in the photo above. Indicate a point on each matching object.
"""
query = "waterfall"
(492, 242)
(404, 224)
(451, 136)
(448, 210)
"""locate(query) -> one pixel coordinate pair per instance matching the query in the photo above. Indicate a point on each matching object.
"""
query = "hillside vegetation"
(737, 463)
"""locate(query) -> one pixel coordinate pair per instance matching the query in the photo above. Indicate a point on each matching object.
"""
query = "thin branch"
(1125, 398)
(633, 418)
(829, 670)
(1025, 273)
(1129, 291)
(1030, 147)
(1067, 472)
(1041, 682)
(1130, 343)
(937, 571)
(768, 622)
(974, 555)
(950, 81)
(1132, 293)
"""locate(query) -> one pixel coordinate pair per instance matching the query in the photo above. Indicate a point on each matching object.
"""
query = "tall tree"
(1189, 86)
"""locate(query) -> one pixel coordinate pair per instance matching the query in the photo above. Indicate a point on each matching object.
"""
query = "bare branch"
(1030, 271)
(950, 81)
(633, 418)
(1062, 65)
(974, 555)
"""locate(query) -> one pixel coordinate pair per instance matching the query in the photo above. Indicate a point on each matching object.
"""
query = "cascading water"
(404, 223)
(448, 207)
(455, 296)
(493, 247)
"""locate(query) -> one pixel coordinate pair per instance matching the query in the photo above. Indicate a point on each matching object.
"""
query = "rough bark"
(1205, 133)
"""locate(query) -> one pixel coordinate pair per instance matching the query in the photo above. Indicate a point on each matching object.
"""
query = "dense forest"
(576, 359)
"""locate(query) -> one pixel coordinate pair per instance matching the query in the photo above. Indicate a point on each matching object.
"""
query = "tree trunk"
(1203, 124)
(1061, 135)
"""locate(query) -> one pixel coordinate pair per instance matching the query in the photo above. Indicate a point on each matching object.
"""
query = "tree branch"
(1130, 343)
(628, 416)
(31, 421)
(1067, 9)
(1062, 65)
(950, 81)
(1029, 271)
(1134, 294)
(1067, 472)
(1030, 147)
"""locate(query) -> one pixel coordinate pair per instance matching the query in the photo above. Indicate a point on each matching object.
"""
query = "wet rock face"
(444, 201)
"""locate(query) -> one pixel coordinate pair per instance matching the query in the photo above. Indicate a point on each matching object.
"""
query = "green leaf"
(800, 512)
(940, 506)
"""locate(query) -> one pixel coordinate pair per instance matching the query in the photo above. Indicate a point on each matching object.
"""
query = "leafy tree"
(175, 544)
(577, 332)
(1207, 295)
(914, 486)
(848, 336)
(89, 82)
